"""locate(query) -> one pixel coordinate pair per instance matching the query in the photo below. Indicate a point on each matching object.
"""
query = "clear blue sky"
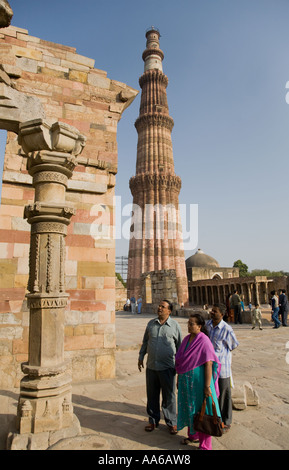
(228, 65)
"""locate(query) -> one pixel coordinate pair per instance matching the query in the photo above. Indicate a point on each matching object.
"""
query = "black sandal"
(187, 441)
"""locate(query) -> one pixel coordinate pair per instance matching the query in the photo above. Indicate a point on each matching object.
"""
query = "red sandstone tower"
(156, 241)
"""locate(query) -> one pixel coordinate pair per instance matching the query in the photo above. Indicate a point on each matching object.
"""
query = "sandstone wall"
(157, 286)
(120, 294)
(70, 90)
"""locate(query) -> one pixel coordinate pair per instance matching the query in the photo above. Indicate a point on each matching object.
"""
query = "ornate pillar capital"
(39, 134)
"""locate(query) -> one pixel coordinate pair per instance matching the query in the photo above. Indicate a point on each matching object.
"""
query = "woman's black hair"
(201, 322)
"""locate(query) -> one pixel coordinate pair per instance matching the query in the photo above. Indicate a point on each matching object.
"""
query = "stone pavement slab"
(112, 413)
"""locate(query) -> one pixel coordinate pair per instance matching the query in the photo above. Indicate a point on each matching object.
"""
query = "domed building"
(202, 266)
(209, 283)
(200, 259)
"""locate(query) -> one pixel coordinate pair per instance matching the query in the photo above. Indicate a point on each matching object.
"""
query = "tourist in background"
(139, 304)
(275, 309)
(161, 340)
(242, 303)
(198, 368)
(224, 341)
(256, 317)
(133, 304)
(127, 306)
(236, 305)
(284, 307)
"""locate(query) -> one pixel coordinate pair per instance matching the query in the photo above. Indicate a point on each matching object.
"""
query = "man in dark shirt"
(284, 307)
(161, 340)
(236, 304)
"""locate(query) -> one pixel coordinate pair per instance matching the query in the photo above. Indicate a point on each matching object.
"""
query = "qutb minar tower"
(156, 241)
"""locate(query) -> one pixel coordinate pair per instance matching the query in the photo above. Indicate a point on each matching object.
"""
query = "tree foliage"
(243, 271)
(243, 268)
(268, 273)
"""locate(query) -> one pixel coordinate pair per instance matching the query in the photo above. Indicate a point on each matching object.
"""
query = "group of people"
(202, 363)
(279, 304)
(132, 305)
(235, 304)
(280, 308)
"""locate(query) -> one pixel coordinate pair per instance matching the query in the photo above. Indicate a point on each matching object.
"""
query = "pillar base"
(45, 400)
(42, 440)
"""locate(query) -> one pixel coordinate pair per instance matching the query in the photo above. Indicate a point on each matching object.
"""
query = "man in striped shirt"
(224, 341)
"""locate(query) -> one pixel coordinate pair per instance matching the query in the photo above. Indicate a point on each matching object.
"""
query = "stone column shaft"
(45, 393)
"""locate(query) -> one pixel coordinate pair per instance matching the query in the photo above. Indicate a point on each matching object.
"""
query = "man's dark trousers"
(237, 313)
(225, 400)
(161, 381)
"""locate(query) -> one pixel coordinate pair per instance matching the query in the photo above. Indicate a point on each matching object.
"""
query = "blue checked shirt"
(224, 341)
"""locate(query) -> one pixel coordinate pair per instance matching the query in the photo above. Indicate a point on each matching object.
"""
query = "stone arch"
(263, 293)
(216, 276)
(246, 293)
(210, 296)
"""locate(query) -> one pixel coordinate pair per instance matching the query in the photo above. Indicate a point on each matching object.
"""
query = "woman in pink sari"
(198, 369)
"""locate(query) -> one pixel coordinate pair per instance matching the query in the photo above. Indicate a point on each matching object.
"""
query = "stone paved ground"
(112, 413)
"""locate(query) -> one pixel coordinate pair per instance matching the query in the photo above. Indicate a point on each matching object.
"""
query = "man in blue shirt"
(224, 341)
(161, 340)
(133, 304)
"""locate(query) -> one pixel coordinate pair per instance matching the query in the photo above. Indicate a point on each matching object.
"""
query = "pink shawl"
(198, 352)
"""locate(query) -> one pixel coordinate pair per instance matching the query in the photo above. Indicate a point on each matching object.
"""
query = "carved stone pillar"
(45, 393)
(257, 286)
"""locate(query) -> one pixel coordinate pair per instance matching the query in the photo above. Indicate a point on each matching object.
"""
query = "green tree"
(243, 268)
(260, 272)
(267, 272)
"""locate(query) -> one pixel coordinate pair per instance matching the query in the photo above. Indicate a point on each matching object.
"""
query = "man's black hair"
(169, 304)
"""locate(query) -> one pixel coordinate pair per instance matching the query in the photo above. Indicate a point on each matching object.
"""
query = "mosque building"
(209, 283)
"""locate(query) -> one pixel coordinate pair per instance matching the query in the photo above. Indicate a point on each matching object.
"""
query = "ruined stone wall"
(278, 283)
(157, 286)
(70, 90)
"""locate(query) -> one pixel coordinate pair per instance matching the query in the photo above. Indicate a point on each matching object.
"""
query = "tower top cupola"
(153, 55)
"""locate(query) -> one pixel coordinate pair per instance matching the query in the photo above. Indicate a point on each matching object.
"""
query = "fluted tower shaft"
(156, 234)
